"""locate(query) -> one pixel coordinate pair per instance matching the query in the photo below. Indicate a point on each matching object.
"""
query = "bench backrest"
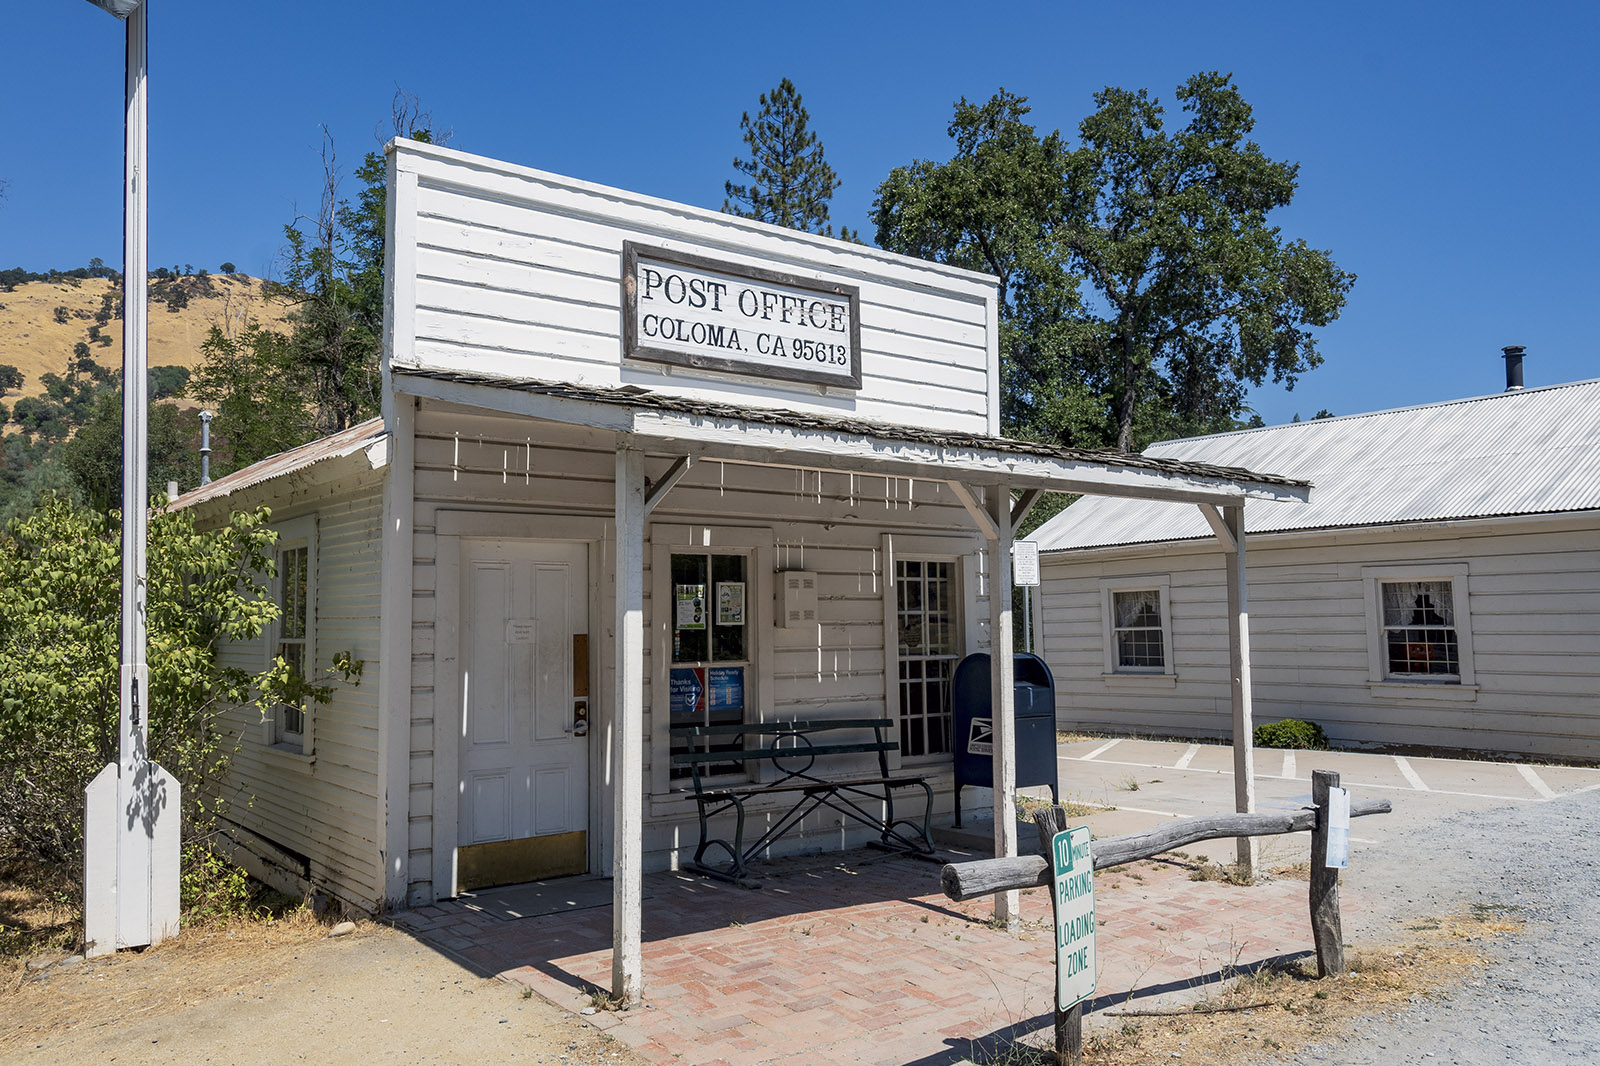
(800, 732)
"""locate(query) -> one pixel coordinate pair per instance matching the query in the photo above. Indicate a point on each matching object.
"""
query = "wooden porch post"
(1002, 670)
(627, 744)
(1244, 774)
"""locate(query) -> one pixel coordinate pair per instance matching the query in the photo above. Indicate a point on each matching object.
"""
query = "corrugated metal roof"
(1536, 451)
(346, 442)
(633, 396)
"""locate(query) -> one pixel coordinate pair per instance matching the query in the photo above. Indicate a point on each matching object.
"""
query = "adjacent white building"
(613, 427)
(1441, 589)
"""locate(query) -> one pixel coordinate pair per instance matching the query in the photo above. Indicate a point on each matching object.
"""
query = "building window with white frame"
(929, 645)
(710, 680)
(1137, 627)
(1419, 637)
(293, 635)
(1419, 630)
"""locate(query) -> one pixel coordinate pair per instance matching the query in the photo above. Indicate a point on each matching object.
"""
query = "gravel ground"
(1539, 1001)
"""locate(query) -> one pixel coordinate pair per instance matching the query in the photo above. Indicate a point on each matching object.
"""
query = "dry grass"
(35, 343)
(204, 962)
(39, 912)
(1295, 1009)
(1027, 805)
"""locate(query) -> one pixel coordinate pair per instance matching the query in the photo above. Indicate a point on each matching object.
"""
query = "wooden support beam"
(968, 880)
(1023, 504)
(657, 490)
(1244, 773)
(1219, 526)
(980, 517)
(1002, 693)
(627, 735)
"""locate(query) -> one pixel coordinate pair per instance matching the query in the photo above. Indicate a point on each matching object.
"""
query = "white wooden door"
(523, 746)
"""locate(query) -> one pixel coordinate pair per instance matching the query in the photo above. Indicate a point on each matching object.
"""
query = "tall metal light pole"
(133, 807)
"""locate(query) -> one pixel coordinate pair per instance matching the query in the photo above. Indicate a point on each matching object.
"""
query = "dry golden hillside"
(33, 341)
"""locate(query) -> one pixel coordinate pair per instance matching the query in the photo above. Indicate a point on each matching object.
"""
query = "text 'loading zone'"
(1073, 899)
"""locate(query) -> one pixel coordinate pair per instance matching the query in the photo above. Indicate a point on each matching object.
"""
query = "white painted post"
(394, 653)
(627, 760)
(1002, 671)
(1244, 774)
(135, 864)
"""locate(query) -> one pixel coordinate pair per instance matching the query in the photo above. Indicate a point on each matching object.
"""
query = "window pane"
(1141, 608)
(1418, 603)
(730, 600)
(690, 610)
(1140, 647)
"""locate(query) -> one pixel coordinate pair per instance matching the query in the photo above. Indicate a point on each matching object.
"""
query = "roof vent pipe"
(1513, 353)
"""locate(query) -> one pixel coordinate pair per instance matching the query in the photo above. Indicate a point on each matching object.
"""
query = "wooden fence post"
(1069, 1023)
(1326, 929)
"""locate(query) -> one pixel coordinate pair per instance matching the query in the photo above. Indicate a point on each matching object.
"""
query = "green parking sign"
(1073, 899)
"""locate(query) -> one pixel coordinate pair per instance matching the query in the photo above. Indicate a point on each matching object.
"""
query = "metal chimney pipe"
(205, 447)
(1513, 355)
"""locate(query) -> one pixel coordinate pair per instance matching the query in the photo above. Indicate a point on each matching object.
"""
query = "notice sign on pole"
(1074, 908)
(1338, 828)
(692, 311)
(1025, 563)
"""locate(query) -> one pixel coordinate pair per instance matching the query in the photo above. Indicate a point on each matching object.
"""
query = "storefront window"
(710, 650)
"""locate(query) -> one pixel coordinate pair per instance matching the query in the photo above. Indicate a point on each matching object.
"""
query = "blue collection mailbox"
(1035, 696)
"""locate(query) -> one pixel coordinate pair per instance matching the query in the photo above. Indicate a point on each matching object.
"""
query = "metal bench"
(793, 748)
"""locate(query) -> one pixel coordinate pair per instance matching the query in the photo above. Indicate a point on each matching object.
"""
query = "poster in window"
(725, 685)
(730, 603)
(686, 691)
(691, 601)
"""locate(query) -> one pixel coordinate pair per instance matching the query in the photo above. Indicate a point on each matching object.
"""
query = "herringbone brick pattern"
(864, 961)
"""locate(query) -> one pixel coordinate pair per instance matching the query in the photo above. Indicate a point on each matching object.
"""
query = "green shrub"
(1291, 733)
(211, 887)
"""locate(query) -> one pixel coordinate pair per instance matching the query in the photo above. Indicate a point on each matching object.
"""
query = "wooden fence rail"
(968, 880)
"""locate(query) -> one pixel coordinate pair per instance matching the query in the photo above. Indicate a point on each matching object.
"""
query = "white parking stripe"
(1188, 757)
(1101, 750)
(1288, 765)
(1410, 775)
(1536, 781)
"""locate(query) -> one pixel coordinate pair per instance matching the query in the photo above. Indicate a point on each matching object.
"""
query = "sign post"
(1072, 901)
(1025, 573)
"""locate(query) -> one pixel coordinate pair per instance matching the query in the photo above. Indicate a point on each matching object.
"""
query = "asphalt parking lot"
(1149, 781)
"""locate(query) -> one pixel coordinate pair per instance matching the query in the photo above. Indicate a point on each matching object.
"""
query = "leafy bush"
(60, 652)
(1291, 733)
(210, 887)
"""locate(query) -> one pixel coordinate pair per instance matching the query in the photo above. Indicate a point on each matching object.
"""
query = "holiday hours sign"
(689, 311)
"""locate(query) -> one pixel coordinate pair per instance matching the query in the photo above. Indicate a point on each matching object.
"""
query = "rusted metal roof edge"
(357, 438)
(632, 396)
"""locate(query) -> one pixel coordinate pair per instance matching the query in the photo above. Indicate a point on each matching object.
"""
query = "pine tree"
(790, 182)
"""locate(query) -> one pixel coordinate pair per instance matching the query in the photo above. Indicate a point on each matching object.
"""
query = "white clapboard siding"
(1533, 617)
(517, 273)
(478, 461)
(325, 808)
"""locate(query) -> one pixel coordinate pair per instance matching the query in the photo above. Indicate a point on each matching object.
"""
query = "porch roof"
(760, 435)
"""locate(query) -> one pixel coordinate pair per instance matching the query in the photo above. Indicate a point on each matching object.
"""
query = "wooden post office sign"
(686, 310)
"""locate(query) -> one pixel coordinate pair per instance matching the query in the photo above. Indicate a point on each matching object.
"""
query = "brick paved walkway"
(860, 959)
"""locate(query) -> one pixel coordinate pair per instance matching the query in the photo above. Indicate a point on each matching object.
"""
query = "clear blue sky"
(1448, 151)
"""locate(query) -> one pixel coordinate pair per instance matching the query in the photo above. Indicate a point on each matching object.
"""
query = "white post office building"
(640, 466)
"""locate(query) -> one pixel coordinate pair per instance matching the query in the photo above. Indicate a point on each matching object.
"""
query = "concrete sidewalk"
(860, 959)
